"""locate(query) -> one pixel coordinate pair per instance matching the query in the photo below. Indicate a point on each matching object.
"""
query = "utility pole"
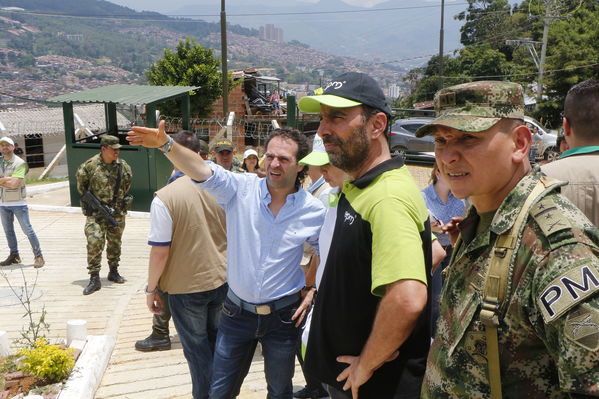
(441, 34)
(546, 23)
(223, 52)
(551, 13)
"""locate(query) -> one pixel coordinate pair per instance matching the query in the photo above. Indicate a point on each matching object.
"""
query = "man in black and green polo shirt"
(370, 327)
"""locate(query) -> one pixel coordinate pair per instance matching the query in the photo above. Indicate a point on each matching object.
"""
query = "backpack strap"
(495, 286)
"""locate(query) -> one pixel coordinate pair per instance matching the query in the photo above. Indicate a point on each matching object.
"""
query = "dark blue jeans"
(196, 317)
(238, 333)
(21, 212)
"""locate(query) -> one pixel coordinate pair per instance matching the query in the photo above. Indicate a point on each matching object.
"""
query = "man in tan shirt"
(188, 260)
(580, 164)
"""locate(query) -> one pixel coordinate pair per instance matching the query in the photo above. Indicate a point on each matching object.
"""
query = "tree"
(487, 21)
(189, 65)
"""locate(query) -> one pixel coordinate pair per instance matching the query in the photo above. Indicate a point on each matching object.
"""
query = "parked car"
(544, 142)
(403, 142)
(402, 139)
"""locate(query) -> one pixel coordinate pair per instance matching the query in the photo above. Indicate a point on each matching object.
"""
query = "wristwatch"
(148, 292)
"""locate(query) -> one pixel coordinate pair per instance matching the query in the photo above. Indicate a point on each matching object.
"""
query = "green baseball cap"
(110, 141)
(318, 156)
(476, 106)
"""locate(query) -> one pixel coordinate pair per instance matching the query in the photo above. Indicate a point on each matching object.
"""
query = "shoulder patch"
(549, 217)
(582, 327)
(569, 289)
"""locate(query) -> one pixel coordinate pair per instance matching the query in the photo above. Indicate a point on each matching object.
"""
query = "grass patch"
(32, 180)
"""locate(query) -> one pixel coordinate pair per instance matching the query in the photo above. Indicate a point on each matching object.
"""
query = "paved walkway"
(116, 310)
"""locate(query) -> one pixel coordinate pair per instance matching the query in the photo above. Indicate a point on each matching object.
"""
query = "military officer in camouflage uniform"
(223, 155)
(546, 329)
(99, 175)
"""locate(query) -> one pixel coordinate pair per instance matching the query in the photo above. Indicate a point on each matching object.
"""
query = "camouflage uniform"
(549, 321)
(100, 178)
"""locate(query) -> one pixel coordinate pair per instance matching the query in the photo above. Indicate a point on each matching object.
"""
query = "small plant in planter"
(49, 363)
(38, 367)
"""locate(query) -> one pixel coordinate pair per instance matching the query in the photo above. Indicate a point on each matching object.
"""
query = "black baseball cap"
(347, 90)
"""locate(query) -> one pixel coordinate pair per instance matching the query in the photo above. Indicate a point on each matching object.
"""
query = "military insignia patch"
(549, 218)
(582, 327)
(569, 289)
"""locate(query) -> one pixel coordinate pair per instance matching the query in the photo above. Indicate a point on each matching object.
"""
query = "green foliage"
(189, 65)
(572, 50)
(487, 21)
(123, 42)
(303, 77)
(7, 365)
(47, 362)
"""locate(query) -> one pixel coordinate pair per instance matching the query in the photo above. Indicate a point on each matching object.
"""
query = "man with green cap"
(519, 313)
(370, 330)
(108, 178)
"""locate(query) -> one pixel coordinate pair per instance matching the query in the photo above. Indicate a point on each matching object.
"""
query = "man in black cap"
(372, 301)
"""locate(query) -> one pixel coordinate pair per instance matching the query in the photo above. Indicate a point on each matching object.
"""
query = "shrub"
(47, 362)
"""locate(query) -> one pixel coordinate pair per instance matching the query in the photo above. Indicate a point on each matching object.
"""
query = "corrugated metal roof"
(123, 94)
(49, 121)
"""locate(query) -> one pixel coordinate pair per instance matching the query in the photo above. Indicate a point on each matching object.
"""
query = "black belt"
(264, 308)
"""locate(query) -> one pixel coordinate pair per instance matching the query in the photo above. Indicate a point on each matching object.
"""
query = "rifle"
(94, 205)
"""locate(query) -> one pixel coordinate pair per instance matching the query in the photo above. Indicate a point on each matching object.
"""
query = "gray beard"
(354, 151)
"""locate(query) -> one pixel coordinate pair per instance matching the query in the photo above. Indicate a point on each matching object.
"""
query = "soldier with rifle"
(103, 181)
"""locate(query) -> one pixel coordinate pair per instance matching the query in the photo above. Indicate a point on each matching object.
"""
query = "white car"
(544, 142)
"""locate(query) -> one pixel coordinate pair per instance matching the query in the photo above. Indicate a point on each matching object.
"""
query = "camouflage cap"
(111, 141)
(476, 106)
(223, 145)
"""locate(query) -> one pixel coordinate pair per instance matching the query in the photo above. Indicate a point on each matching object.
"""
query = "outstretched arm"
(183, 158)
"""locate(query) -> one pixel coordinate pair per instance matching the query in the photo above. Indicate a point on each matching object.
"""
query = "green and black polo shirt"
(382, 235)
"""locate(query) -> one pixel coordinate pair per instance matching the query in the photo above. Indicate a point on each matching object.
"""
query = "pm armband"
(568, 290)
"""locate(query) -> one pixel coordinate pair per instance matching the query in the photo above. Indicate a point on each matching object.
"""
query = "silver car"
(544, 142)
(402, 139)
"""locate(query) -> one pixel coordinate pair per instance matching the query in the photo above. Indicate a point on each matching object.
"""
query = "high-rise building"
(271, 33)
(278, 35)
(394, 91)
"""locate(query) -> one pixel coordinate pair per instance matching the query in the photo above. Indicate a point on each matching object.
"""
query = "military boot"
(114, 276)
(94, 284)
(12, 259)
(153, 343)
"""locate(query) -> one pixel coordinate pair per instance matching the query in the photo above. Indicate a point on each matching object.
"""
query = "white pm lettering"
(334, 85)
(348, 218)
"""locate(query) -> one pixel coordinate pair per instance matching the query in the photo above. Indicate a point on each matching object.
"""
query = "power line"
(320, 12)
(180, 18)
(448, 52)
(520, 74)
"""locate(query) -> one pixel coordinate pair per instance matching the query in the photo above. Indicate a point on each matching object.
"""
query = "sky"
(161, 5)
